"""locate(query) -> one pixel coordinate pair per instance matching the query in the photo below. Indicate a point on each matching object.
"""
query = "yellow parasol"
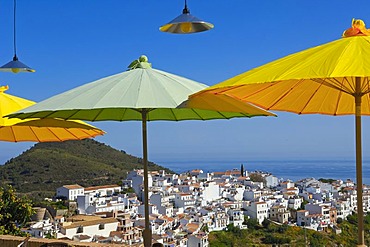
(38, 130)
(330, 79)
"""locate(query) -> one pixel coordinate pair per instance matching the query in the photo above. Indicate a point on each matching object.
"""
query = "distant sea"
(285, 169)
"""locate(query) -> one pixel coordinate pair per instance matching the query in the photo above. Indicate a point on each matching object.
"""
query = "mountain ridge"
(47, 166)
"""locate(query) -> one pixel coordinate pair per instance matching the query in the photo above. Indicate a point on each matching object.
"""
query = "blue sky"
(72, 42)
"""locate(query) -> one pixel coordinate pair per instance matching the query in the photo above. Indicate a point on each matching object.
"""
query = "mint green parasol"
(142, 94)
(121, 97)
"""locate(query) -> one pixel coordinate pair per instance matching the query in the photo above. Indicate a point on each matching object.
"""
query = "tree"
(352, 219)
(15, 212)
(253, 224)
(242, 170)
(266, 223)
(271, 239)
(303, 205)
(317, 239)
(257, 177)
(339, 220)
(205, 228)
(283, 228)
(128, 190)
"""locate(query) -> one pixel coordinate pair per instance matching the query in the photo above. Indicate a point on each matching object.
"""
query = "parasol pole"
(360, 210)
(147, 233)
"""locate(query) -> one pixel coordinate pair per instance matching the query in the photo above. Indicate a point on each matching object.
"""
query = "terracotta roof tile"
(73, 186)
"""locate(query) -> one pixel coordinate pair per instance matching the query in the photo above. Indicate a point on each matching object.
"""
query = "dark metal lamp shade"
(16, 66)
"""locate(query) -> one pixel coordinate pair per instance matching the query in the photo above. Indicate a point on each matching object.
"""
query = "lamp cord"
(14, 31)
(184, 11)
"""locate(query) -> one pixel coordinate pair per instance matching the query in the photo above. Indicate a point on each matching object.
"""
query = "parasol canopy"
(38, 130)
(141, 93)
(332, 79)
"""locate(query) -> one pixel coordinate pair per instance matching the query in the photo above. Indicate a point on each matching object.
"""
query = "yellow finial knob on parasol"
(3, 88)
(358, 29)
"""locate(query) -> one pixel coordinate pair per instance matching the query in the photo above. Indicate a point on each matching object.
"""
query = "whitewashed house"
(205, 176)
(281, 202)
(162, 202)
(103, 190)
(254, 185)
(184, 188)
(279, 213)
(366, 201)
(220, 221)
(210, 192)
(271, 181)
(286, 185)
(198, 240)
(292, 191)
(152, 209)
(311, 221)
(137, 178)
(95, 227)
(161, 180)
(92, 203)
(314, 189)
(252, 194)
(126, 232)
(235, 193)
(70, 192)
(236, 217)
(206, 220)
(196, 172)
(295, 202)
(343, 208)
(322, 209)
(257, 210)
(183, 200)
(42, 228)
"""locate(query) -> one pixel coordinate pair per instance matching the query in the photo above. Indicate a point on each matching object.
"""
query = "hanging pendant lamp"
(15, 65)
(186, 23)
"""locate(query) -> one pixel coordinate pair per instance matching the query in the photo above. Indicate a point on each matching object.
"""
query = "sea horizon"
(292, 169)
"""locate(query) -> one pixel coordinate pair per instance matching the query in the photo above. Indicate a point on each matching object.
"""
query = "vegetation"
(327, 180)
(15, 212)
(55, 205)
(128, 190)
(303, 204)
(47, 166)
(257, 177)
(271, 234)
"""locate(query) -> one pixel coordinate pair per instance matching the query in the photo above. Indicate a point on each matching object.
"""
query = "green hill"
(47, 166)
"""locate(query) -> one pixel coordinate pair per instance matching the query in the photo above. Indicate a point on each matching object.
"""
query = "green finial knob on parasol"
(142, 63)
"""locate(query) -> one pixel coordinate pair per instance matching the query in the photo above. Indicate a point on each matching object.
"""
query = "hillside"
(47, 166)
(271, 234)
